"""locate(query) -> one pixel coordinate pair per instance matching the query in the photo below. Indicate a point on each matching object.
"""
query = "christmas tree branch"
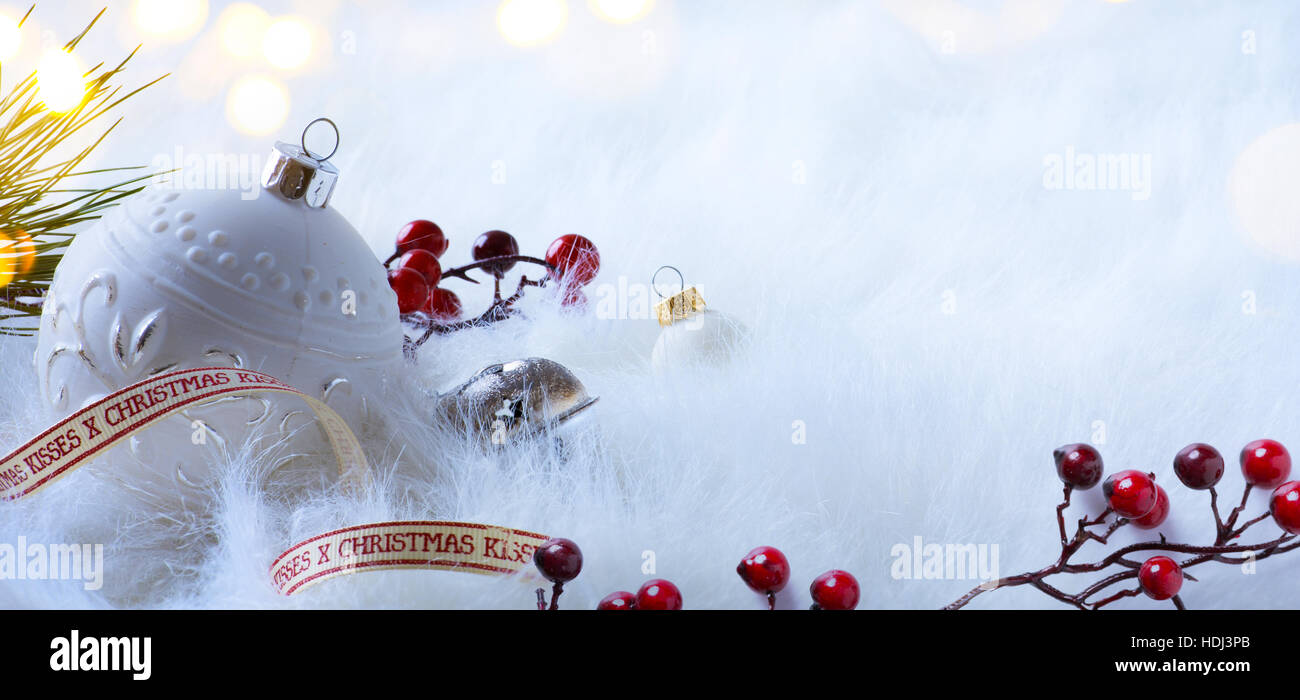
(38, 213)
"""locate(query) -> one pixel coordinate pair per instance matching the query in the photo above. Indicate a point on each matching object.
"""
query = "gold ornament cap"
(679, 306)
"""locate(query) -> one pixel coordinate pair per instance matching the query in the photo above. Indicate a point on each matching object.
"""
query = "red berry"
(1130, 493)
(764, 569)
(573, 298)
(1198, 466)
(1285, 506)
(559, 560)
(575, 257)
(423, 262)
(618, 600)
(835, 590)
(424, 235)
(412, 290)
(1078, 465)
(1157, 514)
(443, 304)
(658, 594)
(1265, 463)
(1160, 577)
(496, 244)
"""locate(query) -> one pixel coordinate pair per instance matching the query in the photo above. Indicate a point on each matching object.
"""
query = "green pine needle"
(37, 208)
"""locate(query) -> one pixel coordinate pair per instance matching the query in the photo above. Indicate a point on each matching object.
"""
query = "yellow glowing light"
(17, 255)
(241, 28)
(172, 20)
(257, 105)
(1262, 187)
(61, 80)
(7, 264)
(531, 22)
(11, 37)
(287, 43)
(622, 11)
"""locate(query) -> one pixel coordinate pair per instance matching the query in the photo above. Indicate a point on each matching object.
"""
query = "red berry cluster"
(1134, 497)
(764, 569)
(415, 279)
(767, 571)
(655, 594)
(572, 261)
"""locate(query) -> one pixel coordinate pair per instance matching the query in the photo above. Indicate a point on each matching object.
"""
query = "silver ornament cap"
(296, 173)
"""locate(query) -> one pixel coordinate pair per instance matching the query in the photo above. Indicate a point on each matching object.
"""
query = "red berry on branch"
(618, 600)
(1284, 505)
(1199, 466)
(1265, 463)
(559, 560)
(423, 262)
(1079, 465)
(424, 235)
(575, 257)
(1158, 513)
(411, 289)
(443, 304)
(658, 594)
(1160, 577)
(764, 569)
(1130, 493)
(495, 244)
(835, 590)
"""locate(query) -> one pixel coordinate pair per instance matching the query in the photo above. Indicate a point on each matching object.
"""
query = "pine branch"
(38, 209)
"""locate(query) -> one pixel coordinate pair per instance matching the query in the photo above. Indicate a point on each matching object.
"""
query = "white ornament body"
(176, 279)
(706, 338)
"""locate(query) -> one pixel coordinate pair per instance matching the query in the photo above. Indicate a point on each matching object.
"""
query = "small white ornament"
(692, 335)
(707, 339)
(174, 279)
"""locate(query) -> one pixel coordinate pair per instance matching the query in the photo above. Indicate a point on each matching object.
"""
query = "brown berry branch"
(501, 309)
(1134, 498)
(570, 259)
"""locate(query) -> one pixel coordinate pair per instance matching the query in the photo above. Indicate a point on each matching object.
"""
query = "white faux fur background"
(862, 183)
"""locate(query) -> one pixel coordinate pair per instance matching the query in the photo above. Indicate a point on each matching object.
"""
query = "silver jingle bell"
(513, 399)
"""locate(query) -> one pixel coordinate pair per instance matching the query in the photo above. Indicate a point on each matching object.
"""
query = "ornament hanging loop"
(303, 139)
(654, 284)
(679, 306)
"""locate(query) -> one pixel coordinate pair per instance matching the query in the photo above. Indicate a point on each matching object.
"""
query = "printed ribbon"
(395, 545)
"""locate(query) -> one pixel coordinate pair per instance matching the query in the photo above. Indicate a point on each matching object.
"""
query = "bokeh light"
(61, 80)
(1263, 187)
(241, 27)
(11, 37)
(171, 20)
(17, 255)
(257, 105)
(287, 43)
(531, 22)
(622, 11)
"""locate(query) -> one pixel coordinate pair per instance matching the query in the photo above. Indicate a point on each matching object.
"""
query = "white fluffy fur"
(924, 174)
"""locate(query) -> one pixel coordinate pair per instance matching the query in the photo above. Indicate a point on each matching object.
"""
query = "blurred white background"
(891, 193)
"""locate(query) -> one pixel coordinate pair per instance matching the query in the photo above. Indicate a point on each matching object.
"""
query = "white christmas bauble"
(175, 279)
(706, 338)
